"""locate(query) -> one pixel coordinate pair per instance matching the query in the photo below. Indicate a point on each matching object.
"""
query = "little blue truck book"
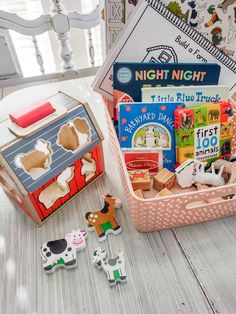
(149, 125)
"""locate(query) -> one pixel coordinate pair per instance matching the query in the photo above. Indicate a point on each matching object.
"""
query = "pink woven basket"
(175, 210)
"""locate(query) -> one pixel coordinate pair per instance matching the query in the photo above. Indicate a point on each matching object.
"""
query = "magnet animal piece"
(113, 267)
(62, 253)
(104, 221)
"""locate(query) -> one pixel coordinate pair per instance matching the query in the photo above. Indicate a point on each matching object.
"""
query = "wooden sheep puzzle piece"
(114, 268)
(164, 179)
(104, 221)
(63, 252)
(57, 189)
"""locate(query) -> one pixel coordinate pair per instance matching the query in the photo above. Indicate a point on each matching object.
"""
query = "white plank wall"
(188, 270)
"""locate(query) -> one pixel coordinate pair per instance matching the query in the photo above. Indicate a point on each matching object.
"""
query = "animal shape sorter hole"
(88, 167)
(36, 162)
(74, 135)
(57, 189)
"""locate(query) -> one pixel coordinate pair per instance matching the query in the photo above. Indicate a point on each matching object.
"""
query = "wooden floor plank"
(211, 251)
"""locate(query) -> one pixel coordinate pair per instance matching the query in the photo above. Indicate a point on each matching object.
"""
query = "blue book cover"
(130, 78)
(149, 125)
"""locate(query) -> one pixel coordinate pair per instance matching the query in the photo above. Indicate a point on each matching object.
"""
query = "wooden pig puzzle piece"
(114, 268)
(104, 221)
(62, 253)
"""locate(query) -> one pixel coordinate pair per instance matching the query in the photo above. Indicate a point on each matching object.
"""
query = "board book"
(161, 37)
(203, 132)
(190, 95)
(130, 78)
(149, 125)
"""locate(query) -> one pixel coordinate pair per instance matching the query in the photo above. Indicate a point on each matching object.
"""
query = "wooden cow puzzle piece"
(104, 221)
(63, 252)
(114, 268)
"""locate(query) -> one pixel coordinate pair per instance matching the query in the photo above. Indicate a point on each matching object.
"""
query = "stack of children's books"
(170, 92)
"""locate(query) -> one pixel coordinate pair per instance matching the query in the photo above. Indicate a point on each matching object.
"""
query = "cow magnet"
(62, 252)
(103, 221)
(113, 267)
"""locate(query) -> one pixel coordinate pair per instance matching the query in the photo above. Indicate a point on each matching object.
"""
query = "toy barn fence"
(61, 23)
(176, 210)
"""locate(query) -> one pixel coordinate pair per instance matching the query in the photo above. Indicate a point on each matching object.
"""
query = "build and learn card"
(204, 132)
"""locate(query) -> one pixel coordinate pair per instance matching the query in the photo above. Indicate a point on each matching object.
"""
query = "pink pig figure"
(62, 252)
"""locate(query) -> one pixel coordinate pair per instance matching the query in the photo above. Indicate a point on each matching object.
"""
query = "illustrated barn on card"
(48, 153)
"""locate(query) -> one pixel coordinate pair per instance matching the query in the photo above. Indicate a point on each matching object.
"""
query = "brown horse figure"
(103, 221)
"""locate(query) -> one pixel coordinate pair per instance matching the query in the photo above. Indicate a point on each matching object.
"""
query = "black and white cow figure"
(114, 267)
(62, 252)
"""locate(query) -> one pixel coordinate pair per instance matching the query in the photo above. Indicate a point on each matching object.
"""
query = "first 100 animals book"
(149, 125)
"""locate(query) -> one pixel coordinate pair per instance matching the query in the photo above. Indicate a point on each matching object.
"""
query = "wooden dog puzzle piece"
(114, 268)
(140, 179)
(63, 252)
(104, 221)
(164, 179)
(164, 192)
(200, 187)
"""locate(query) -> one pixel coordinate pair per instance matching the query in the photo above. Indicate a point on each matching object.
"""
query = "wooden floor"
(187, 270)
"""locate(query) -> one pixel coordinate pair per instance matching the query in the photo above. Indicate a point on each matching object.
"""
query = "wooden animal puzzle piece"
(229, 168)
(74, 135)
(57, 189)
(88, 167)
(140, 179)
(210, 178)
(113, 267)
(139, 193)
(185, 173)
(164, 192)
(36, 162)
(63, 252)
(104, 221)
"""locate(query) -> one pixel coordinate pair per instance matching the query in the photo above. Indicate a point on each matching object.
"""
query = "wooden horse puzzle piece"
(104, 221)
(113, 267)
(62, 253)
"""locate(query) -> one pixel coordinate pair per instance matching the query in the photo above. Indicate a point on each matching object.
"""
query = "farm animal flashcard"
(63, 252)
(113, 267)
(104, 221)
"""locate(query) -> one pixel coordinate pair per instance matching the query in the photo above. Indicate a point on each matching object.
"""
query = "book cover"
(154, 34)
(149, 125)
(189, 95)
(203, 132)
(130, 78)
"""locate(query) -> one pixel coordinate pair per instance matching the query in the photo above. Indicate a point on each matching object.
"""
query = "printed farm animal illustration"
(88, 167)
(74, 135)
(113, 267)
(150, 137)
(104, 221)
(225, 4)
(57, 189)
(231, 36)
(225, 130)
(226, 148)
(176, 9)
(213, 115)
(187, 122)
(194, 19)
(214, 16)
(62, 252)
(139, 142)
(217, 37)
(185, 137)
(200, 117)
(36, 162)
